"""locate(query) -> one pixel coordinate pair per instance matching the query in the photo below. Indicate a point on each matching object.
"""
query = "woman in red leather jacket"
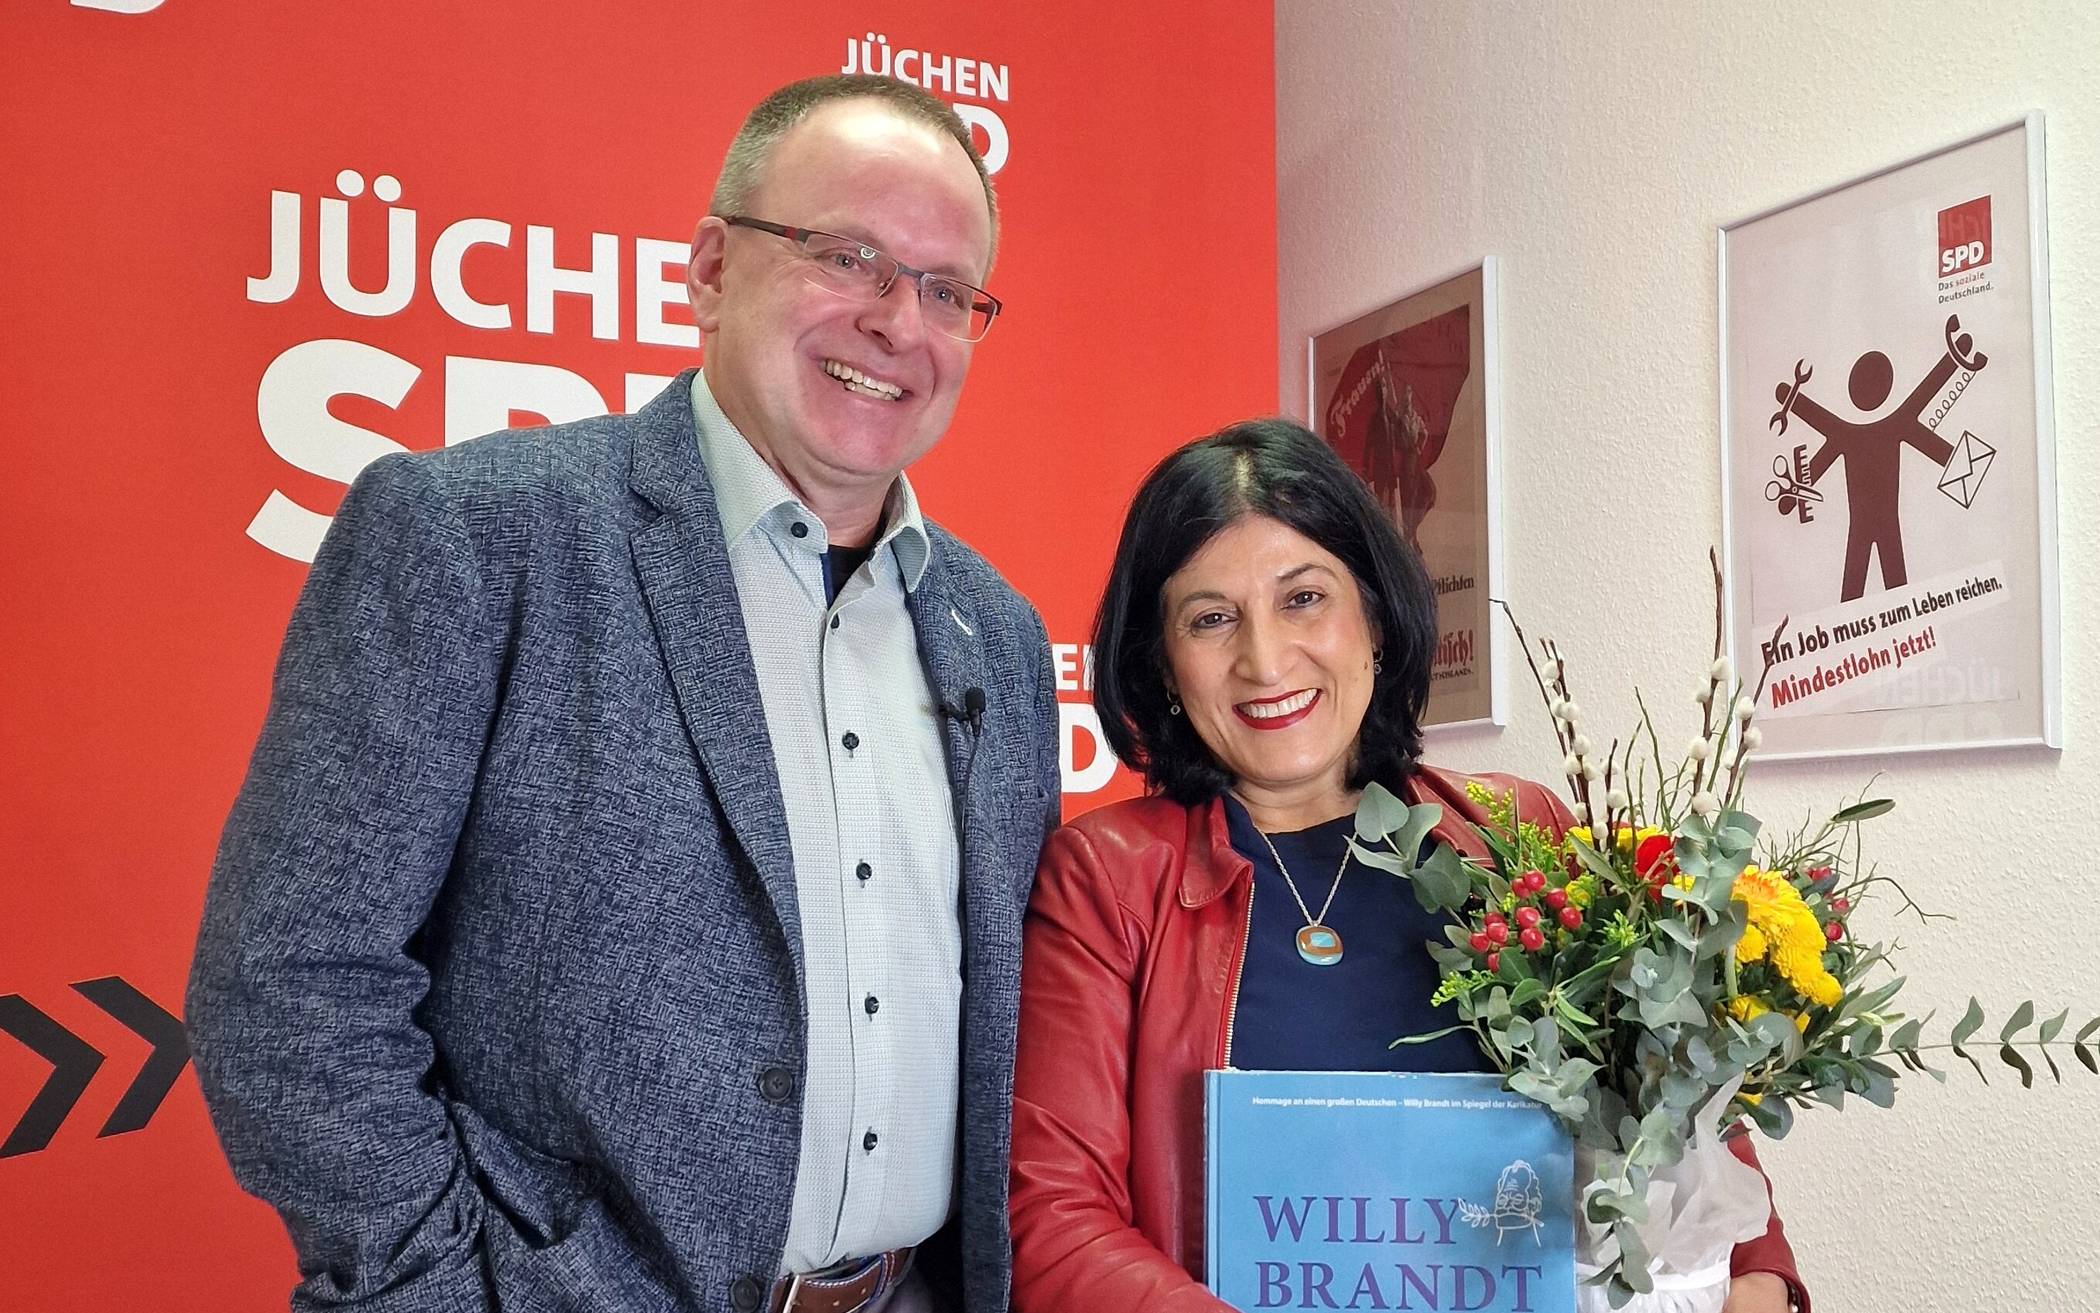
(1261, 654)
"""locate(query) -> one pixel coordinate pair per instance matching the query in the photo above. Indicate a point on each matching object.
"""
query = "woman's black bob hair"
(1280, 469)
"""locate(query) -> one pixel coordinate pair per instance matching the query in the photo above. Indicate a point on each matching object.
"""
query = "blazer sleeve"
(1049, 775)
(1074, 1244)
(302, 993)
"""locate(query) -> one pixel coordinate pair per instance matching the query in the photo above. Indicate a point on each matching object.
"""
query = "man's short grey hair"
(743, 168)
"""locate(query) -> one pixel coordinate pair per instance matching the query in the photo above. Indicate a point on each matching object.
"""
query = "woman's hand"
(1756, 1292)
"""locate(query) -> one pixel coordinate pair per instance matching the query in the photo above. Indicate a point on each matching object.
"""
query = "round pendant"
(1319, 945)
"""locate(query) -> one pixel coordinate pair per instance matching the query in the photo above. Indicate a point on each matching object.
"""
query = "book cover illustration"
(1376, 1190)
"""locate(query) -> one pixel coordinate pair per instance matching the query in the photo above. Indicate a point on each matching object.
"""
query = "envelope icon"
(1965, 468)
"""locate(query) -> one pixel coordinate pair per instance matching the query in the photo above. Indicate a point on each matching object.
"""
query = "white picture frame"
(1448, 503)
(1922, 612)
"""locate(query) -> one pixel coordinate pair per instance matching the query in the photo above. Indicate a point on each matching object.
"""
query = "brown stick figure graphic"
(1873, 450)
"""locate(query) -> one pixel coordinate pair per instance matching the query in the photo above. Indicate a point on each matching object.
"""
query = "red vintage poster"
(1405, 395)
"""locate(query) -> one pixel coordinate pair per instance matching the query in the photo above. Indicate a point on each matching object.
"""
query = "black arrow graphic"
(171, 1050)
(73, 1065)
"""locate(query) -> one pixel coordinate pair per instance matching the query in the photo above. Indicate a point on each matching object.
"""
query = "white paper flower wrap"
(1699, 1210)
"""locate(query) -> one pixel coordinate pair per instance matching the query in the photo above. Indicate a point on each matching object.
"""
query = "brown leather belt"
(848, 1288)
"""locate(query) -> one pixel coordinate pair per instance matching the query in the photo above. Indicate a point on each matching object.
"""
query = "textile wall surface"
(1595, 149)
(248, 249)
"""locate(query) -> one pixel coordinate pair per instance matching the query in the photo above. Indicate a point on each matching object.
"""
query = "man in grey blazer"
(622, 910)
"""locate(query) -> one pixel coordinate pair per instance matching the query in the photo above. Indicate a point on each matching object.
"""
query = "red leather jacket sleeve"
(1770, 1252)
(1074, 1244)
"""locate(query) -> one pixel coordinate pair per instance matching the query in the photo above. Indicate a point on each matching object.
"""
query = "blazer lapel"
(684, 569)
(954, 660)
(954, 664)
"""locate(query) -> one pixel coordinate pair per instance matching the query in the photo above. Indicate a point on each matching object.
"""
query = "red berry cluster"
(1820, 877)
(1531, 894)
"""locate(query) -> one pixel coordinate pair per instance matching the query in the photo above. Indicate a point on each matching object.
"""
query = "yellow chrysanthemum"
(1751, 947)
(1783, 925)
(1579, 833)
(1747, 1008)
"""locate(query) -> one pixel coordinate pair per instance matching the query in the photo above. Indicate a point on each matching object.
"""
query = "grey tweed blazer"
(498, 994)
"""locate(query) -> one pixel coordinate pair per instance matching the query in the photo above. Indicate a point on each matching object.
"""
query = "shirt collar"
(747, 491)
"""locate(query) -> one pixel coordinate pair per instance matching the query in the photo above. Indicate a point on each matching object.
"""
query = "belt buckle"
(794, 1292)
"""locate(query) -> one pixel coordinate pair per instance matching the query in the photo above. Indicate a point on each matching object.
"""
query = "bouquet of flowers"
(1661, 971)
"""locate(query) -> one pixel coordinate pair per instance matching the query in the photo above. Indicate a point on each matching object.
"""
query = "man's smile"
(865, 384)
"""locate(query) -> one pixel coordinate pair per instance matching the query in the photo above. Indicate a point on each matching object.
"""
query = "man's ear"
(703, 273)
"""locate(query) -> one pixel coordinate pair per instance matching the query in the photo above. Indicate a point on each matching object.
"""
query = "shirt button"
(834, 622)
(743, 1294)
(867, 1142)
(799, 529)
(775, 1084)
(850, 741)
(863, 871)
(872, 1004)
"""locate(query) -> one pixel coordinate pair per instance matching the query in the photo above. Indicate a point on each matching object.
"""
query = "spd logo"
(1965, 237)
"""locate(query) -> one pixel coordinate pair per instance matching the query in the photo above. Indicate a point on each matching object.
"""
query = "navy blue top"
(1294, 1016)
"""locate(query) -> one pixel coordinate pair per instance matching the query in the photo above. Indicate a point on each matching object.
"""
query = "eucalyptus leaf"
(1421, 819)
(1442, 884)
(1740, 820)
(2085, 1055)
(2017, 1022)
(1863, 811)
(2088, 1030)
(2010, 1056)
(1379, 812)
(1634, 1258)
(1699, 1055)
(1384, 861)
(1679, 931)
(1880, 1090)
(1971, 1021)
(1574, 1074)
(1602, 1204)
(1775, 1118)
(2052, 1027)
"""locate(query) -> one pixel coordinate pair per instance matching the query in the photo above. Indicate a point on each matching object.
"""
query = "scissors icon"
(1790, 489)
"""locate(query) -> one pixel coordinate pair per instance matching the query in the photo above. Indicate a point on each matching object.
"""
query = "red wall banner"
(249, 249)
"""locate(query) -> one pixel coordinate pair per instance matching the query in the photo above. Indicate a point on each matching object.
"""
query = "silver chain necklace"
(1317, 942)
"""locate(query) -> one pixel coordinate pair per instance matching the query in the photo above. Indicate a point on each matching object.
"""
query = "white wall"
(1594, 149)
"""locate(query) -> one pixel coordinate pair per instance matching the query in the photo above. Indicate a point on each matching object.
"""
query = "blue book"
(1377, 1190)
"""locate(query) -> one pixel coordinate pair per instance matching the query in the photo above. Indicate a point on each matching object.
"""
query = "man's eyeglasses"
(857, 270)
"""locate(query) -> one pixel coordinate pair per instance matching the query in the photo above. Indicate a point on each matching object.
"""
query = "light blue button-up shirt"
(856, 736)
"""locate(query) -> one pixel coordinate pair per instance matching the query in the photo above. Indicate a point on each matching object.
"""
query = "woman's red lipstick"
(1278, 722)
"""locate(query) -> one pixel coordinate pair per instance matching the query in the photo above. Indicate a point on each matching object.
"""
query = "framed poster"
(1888, 460)
(1406, 394)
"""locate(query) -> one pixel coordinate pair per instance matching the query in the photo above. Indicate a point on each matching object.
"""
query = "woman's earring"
(1173, 707)
(1378, 663)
